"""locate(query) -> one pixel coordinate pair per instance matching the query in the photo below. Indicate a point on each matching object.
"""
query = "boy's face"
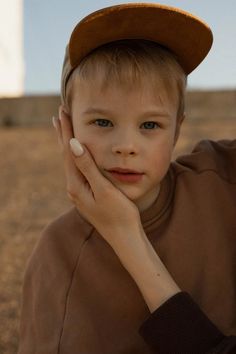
(132, 129)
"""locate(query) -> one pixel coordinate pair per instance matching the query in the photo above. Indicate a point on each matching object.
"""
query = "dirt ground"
(33, 193)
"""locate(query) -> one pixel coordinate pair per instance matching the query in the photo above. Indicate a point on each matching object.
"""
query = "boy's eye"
(107, 123)
(102, 122)
(150, 125)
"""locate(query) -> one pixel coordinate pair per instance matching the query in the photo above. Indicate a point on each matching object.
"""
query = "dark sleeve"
(180, 326)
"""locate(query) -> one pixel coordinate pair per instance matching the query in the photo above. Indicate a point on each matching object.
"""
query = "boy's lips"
(125, 175)
(123, 170)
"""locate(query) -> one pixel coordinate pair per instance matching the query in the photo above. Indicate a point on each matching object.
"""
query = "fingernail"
(54, 122)
(76, 147)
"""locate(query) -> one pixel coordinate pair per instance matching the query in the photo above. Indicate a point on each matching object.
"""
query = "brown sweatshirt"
(79, 299)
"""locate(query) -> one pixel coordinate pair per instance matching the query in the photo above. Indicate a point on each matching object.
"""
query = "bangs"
(130, 64)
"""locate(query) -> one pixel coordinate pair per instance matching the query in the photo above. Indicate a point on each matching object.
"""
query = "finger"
(75, 180)
(66, 126)
(79, 190)
(66, 134)
(87, 166)
(57, 126)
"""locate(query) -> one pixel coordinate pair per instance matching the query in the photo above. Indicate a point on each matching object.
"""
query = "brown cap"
(188, 37)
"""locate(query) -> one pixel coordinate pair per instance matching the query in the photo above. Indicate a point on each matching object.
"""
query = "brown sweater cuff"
(180, 326)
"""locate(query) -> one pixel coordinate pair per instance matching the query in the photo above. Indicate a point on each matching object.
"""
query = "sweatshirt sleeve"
(180, 326)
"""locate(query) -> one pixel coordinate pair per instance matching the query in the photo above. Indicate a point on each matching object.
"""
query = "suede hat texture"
(184, 34)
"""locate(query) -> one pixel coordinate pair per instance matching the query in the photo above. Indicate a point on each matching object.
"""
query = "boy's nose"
(125, 149)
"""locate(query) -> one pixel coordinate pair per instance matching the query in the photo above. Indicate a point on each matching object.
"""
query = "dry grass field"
(33, 193)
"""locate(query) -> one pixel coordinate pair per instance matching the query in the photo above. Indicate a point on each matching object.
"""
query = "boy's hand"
(96, 198)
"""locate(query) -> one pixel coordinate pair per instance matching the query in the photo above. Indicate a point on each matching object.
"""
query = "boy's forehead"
(91, 96)
(100, 86)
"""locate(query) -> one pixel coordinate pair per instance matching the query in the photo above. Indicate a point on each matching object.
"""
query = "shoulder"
(48, 279)
(69, 226)
(61, 240)
(218, 157)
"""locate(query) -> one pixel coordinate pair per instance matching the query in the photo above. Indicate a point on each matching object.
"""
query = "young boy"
(145, 260)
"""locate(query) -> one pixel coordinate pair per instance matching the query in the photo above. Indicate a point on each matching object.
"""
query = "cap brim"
(182, 33)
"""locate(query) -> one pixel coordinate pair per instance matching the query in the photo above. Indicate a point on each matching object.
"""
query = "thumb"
(87, 166)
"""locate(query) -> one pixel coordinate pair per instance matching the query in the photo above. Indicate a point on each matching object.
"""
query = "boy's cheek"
(94, 149)
(162, 159)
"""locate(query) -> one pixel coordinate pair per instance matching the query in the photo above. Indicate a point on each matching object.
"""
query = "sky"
(48, 25)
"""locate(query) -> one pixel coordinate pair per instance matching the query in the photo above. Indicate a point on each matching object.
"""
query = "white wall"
(11, 48)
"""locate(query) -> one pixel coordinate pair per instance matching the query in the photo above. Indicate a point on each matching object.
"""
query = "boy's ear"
(178, 127)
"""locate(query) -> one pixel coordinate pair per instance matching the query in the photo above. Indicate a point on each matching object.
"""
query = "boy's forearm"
(144, 265)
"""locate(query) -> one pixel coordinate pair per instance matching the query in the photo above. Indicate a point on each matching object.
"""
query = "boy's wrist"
(125, 240)
(146, 268)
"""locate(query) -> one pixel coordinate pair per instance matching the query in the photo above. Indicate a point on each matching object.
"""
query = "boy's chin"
(141, 200)
(134, 195)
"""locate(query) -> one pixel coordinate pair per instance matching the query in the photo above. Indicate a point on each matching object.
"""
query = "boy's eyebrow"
(151, 113)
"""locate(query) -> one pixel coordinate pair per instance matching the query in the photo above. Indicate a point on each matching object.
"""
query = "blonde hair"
(127, 63)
